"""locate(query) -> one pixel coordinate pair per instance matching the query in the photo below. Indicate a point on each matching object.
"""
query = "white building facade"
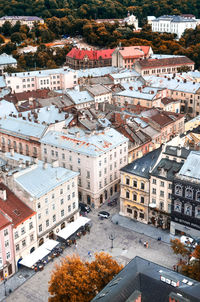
(97, 156)
(174, 24)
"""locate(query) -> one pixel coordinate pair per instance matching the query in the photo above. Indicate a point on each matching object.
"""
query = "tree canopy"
(80, 281)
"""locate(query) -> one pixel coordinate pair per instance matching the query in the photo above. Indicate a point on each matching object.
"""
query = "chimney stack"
(3, 194)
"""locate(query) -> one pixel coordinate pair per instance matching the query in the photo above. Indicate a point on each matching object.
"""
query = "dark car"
(103, 214)
(84, 207)
(112, 203)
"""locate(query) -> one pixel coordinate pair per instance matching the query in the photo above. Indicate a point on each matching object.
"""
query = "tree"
(75, 280)
(190, 266)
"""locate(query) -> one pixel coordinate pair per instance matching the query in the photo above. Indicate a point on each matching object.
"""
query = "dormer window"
(177, 206)
(188, 210)
(178, 190)
(189, 193)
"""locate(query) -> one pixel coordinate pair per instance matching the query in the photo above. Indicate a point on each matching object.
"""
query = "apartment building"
(135, 187)
(174, 24)
(24, 20)
(21, 135)
(50, 191)
(53, 79)
(23, 221)
(7, 259)
(125, 57)
(84, 58)
(100, 93)
(161, 192)
(96, 155)
(162, 66)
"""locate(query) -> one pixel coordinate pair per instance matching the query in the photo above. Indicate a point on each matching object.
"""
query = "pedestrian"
(89, 254)
(147, 244)
(174, 267)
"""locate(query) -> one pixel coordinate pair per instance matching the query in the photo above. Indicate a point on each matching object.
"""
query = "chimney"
(55, 164)
(12, 152)
(45, 166)
(3, 194)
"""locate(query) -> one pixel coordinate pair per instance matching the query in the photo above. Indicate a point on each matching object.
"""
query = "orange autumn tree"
(77, 281)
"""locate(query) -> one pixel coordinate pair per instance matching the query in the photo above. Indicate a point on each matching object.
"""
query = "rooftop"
(41, 73)
(154, 63)
(134, 51)
(7, 108)
(80, 54)
(189, 168)
(166, 169)
(6, 59)
(22, 128)
(154, 281)
(19, 18)
(143, 165)
(91, 143)
(4, 222)
(174, 151)
(79, 97)
(38, 179)
(97, 89)
(14, 207)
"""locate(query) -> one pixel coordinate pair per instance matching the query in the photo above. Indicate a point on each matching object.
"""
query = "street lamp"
(112, 237)
(4, 281)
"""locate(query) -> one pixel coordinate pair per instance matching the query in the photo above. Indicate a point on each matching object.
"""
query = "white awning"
(72, 227)
(37, 255)
(50, 244)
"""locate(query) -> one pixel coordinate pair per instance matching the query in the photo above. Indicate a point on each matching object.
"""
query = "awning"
(37, 255)
(50, 244)
(72, 227)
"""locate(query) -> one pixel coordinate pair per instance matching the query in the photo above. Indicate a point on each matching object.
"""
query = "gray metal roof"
(191, 167)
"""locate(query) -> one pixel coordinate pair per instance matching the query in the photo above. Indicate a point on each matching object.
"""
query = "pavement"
(128, 238)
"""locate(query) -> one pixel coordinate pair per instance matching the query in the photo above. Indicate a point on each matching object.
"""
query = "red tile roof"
(4, 222)
(167, 101)
(14, 207)
(153, 63)
(79, 54)
(134, 51)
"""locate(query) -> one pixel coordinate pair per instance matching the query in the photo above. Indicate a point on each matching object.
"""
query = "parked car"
(188, 241)
(112, 203)
(103, 214)
(84, 207)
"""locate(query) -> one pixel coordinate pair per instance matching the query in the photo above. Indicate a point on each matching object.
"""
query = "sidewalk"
(14, 282)
(142, 228)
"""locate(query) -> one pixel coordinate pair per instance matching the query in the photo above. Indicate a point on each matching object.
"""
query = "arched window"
(188, 209)
(198, 196)
(142, 186)
(178, 190)
(177, 206)
(189, 193)
(127, 194)
(197, 212)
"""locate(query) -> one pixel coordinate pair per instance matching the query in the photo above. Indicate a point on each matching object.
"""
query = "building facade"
(24, 20)
(96, 155)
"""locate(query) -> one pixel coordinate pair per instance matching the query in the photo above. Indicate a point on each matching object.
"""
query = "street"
(126, 245)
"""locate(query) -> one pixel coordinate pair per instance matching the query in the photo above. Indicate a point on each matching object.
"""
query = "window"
(129, 211)
(73, 194)
(17, 247)
(127, 181)
(177, 206)
(135, 197)
(170, 186)
(63, 156)
(154, 181)
(178, 190)
(188, 210)
(110, 167)
(73, 184)
(53, 196)
(153, 191)
(61, 201)
(61, 191)
(110, 156)
(16, 235)
(62, 213)
(40, 228)
(141, 215)
(127, 194)
(47, 211)
(88, 174)
(162, 184)
(142, 186)
(54, 218)
(46, 200)
(39, 216)
(22, 230)
(162, 193)
(100, 185)
(6, 243)
(198, 195)
(69, 208)
(100, 163)
(24, 242)
(197, 212)
(88, 185)
(5, 232)
(161, 205)
(142, 199)
(74, 205)
(105, 160)
(47, 223)
(68, 197)
(79, 160)
(105, 170)
(39, 206)
(135, 183)
(31, 237)
(189, 193)
(70, 158)
(52, 152)
(53, 206)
